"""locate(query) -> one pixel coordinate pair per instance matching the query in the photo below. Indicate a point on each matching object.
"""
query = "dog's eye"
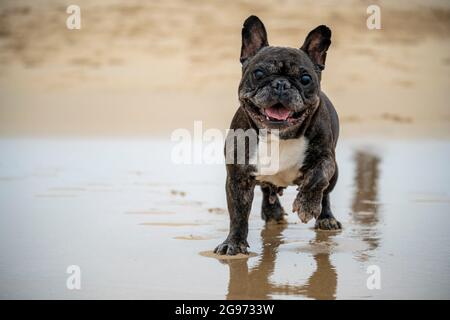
(258, 74)
(305, 79)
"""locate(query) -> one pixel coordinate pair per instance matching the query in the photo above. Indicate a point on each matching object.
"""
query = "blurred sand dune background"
(148, 67)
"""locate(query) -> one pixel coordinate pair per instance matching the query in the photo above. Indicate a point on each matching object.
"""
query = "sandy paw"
(307, 210)
(231, 247)
(328, 224)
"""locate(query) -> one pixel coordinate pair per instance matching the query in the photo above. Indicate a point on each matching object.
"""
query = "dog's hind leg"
(271, 207)
(326, 220)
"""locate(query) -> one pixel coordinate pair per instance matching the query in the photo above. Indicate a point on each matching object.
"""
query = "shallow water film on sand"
(140, 227)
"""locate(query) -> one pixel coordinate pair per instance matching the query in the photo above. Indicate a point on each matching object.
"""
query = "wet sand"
(392, 199)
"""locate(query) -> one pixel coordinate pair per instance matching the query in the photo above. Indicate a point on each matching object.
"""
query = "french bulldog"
(280, 92)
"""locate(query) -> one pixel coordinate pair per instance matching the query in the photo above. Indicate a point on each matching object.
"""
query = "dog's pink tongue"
(279, 113)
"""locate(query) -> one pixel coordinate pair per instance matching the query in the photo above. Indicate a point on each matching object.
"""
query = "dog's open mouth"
(277, 115)
(277, 112)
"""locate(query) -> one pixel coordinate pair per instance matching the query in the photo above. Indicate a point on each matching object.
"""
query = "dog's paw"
(273, 214)
(232, 247)
(307, 207)
(328, 224)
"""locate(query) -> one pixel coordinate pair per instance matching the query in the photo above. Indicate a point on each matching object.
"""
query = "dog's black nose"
(280, 85)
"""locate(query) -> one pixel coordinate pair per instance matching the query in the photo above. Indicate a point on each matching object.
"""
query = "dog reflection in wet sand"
(256, 284)
(365, 203)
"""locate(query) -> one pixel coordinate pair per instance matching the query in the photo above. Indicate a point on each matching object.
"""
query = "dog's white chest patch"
(279, 165)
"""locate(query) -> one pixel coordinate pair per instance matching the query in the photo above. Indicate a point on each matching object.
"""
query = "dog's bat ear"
(316, 45)
(254, 37)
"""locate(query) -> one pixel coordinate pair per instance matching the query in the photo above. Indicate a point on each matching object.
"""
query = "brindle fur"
(320, 126)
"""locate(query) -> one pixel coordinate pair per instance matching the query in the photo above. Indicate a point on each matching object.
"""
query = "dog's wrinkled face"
(280, 86)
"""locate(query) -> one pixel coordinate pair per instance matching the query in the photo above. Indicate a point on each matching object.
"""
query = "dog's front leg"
(240, 187)
(308, 203)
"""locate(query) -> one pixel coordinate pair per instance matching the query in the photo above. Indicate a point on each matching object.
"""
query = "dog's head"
(280, 86)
